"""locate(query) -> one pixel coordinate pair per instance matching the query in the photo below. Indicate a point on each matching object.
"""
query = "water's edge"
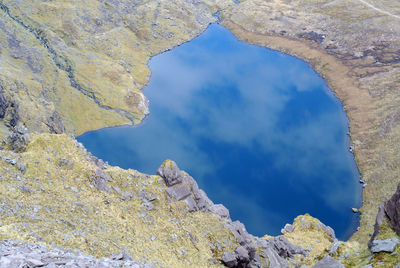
(355, 224)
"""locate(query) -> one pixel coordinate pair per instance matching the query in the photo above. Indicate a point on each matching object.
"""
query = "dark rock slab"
(392, 210)
(178, 192)
(378, 222)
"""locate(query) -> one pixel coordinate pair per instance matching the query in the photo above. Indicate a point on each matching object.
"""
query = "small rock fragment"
(328, 262)
(287, 229)
(21, 167)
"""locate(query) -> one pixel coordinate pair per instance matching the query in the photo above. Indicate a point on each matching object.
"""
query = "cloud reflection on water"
(256, 128)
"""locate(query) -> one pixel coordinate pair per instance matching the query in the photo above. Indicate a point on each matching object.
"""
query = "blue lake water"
(259, 130)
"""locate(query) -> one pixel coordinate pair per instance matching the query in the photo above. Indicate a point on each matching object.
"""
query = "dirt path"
(379, 10)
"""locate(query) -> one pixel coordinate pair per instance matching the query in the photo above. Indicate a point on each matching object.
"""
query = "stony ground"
(21, 254)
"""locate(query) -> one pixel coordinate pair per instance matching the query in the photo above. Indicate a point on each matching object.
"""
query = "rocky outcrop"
(278, 251)
(21, 254)
(392, 210)
(285, 249)
(389, 211)
(8, 109)
(181, 186)
(378, 222)
(18, 139)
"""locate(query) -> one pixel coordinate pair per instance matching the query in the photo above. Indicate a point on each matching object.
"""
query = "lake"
(259, 130)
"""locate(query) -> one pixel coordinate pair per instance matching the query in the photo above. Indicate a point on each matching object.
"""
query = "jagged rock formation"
(56, 193)
(385, 239)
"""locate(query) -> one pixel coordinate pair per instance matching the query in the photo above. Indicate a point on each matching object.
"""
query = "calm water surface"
(259, 130)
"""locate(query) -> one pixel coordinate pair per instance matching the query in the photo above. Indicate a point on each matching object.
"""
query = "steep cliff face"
(73, 66)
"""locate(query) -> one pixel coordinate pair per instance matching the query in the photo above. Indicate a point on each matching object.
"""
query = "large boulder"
(392, 210)
(181, 186)
(387, 245)
(170, 172)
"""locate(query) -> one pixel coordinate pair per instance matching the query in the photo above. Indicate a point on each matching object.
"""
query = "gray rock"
(239, 231)
(99, 181)
(101, 174)
(229, 259)
(334, 248)
(21, 167)
(387, 245)
(98, 162)
(34, 263)
(287, 229)
(242, 254)
(146, 196)
(328, 262)
(392, 210)
(329, 231)
(378, 222)
(368, 266)
(17, 139)
(5, 262)
(202, 200)
(275, 261)
(221, 211)
(192, 206)
(285, 249)
(62, 162)
(25, 189)
(170, 172)
(178, 192)
(9, 160)
(21, 254)
(117, 190)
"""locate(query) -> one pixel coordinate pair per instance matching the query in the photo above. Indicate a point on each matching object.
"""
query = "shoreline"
(354, 225)
(355, 102)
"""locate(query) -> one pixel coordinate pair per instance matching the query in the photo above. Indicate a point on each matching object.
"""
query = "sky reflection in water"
(259, 130)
